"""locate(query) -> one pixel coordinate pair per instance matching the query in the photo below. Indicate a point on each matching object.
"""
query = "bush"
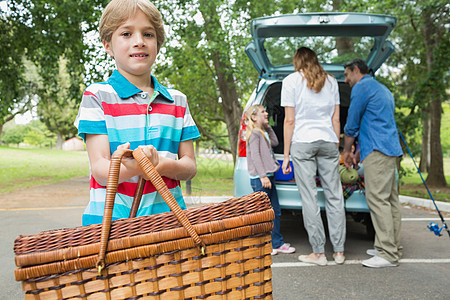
(15, 135)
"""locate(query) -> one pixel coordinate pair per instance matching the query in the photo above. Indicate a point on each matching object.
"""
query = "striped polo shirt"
(125, 113)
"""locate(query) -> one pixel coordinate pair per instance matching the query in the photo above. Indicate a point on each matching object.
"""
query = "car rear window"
(329, 49)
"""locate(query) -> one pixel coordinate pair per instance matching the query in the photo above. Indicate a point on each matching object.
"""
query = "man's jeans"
(277, 238)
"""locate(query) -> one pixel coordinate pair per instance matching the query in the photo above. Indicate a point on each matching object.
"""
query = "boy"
(132, 109)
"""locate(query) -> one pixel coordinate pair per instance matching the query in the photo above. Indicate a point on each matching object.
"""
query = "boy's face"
(133, 46)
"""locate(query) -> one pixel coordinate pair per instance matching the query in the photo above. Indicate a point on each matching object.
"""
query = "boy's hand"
(132, 164)
(129, 162)
(151, 153)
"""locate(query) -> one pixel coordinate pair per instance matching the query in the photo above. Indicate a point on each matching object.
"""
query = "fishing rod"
(432, 226)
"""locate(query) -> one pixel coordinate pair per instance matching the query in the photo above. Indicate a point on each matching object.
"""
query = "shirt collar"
(365, 77)
(126, 89)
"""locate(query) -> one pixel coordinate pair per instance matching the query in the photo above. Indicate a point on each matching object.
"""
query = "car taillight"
(242, 147)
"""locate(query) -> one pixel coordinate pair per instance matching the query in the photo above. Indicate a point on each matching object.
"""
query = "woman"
(310, 98)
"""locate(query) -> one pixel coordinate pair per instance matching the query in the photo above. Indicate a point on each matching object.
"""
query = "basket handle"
(137, 197)
(156, 180)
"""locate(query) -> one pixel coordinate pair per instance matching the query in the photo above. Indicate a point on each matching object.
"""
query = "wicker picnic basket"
(219, 251)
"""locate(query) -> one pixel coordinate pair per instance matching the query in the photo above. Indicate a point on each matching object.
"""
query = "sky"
(24, 119)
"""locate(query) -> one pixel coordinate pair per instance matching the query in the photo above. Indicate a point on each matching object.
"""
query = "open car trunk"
(271, 100)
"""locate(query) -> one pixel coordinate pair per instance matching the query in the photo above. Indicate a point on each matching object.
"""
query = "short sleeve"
(287, 92)
(90, 118)
(190, 130)
(335, 91)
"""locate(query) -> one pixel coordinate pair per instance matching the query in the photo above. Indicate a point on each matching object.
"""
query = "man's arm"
(349, 156)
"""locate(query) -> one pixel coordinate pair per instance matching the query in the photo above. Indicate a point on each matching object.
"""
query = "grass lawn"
(214, 177)
(412, 185)
(21, 168)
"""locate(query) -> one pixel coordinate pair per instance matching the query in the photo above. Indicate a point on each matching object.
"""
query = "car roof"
(321, 24)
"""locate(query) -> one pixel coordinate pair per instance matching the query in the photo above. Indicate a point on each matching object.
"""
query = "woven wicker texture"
(155, 257)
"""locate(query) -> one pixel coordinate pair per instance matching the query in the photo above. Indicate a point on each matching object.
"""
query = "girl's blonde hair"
(252, 111)
(305, 60)
(118, 11)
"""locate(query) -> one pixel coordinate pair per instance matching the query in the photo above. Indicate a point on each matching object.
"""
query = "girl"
(262, 165)
(310, 98)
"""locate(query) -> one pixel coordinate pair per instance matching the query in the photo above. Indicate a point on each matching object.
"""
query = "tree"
(436, 41)
(204, 57)
(423, 51)
(37, 134)
(15, 135)
(50, 33)
(422, 45)
(15, 90)
(57, 108)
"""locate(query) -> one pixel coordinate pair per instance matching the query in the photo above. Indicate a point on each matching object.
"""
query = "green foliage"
(445, 131)
(15, 135)
(204, 57)
(38, 135)
(412, 185)
(50, 34)
(33, 134)
(15, 90)
(204, 49)
(57, 109)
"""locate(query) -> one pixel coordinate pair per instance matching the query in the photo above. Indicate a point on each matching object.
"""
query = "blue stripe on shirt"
(91, 127)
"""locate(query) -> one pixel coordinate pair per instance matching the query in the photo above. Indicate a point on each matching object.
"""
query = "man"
(371, 118)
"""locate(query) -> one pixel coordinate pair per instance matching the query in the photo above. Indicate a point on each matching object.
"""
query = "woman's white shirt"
(313, 111)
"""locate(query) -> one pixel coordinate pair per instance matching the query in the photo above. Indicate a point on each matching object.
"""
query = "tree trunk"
(197, 148)
(6, 120)
(425, 158)
(59, 141)
(436, 175)
(344, 45)
(231, 107)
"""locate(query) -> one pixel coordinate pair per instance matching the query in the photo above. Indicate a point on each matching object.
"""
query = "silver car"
(336, 38)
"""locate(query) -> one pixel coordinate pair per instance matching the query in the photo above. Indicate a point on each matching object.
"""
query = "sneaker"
(321, 261)
(285, 248)
(372, 252)
(378, 262)
(339, 258)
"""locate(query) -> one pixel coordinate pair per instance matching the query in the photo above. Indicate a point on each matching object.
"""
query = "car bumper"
(288, 194)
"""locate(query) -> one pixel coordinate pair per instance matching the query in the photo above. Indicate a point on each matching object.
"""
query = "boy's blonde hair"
(252, 111)
(118, 11)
